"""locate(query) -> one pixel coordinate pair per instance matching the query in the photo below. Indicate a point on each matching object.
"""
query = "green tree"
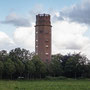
(56, 67)
(87, 71)
(9, 67)
(75, 66)
(3, 55)
(30, 68)
(20, 67)
(39, 65)
(20, 54)
(1, 69)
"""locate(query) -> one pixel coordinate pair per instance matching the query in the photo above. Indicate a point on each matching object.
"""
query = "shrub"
(55, 78)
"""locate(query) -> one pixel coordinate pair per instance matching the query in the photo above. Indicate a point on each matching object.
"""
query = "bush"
(62, 77)
(55, 78)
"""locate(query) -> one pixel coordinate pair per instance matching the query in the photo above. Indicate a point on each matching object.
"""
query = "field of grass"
(45, 85)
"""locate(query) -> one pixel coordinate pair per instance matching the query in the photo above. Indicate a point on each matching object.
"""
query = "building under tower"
(43, 37)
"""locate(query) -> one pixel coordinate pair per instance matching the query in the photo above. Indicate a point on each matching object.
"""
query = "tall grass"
(45, 85)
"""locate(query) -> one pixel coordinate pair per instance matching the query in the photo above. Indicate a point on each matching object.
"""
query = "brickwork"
(43, 37)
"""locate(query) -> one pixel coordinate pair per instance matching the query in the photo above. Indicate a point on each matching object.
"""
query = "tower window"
(46, 32)
(46, 40)
(41, 31)
(46, 53)
(47, 60)
(36, 53)
(46, 46)
(36, 46)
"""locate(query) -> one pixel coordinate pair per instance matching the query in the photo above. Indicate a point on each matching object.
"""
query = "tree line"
(20, 63)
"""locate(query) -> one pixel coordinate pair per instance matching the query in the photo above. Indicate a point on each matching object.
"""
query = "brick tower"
(43, 37)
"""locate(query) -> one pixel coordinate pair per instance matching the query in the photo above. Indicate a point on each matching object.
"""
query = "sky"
(70, 20)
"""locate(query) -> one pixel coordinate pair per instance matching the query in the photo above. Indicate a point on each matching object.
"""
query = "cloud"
(6, 42)
(25, 37)
(77, 13)
(69, 37)
(16, 20)
(86, 50)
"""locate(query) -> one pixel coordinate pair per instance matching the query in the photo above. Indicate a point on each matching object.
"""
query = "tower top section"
(43, 15)
(43, 19)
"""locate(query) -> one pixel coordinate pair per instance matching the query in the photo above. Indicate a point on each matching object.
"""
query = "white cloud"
(16, 20)
(5, 41)
(86, 50)
(25, 37)
(69, 37)
(77, 13)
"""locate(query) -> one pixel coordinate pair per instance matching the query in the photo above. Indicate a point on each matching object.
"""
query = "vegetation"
(45, 85)
(20, 63)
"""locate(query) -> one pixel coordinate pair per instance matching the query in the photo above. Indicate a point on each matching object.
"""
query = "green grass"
(45, 85)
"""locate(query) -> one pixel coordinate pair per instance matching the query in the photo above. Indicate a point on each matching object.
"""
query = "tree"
(20, 54)
(1, 69)
(75, 66)
(9, 67)
(20, 67)
(30, 68)
(71, 68)
(39, 65)
(56, 67)
(64, 60)
(87, 70)
(57, 57)
(3, 55)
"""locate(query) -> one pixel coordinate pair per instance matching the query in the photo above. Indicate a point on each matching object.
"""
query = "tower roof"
(43, 19)
(43, 14)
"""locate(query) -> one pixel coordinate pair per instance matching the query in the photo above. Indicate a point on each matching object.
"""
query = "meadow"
(45, 85)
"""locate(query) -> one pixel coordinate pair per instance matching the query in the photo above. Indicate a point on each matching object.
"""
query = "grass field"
(45, 85)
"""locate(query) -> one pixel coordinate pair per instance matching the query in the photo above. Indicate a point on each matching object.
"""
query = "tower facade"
(43, 37)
